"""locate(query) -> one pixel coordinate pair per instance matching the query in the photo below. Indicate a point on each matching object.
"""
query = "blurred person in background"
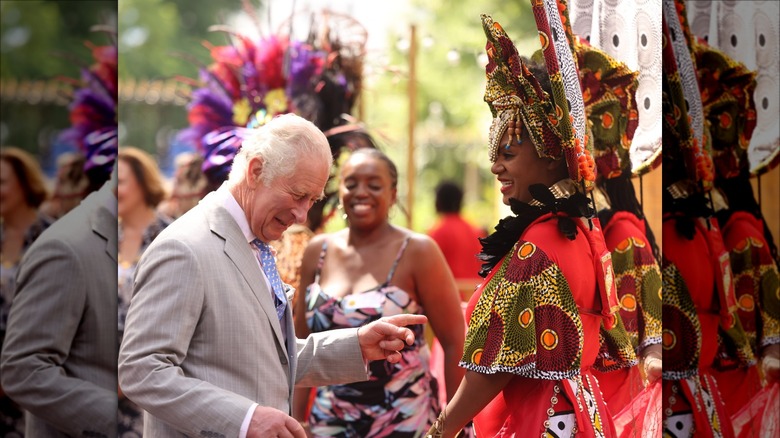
(457, 238)
(459, 242)
(22, 191)
(189, 185)
(59, 359)
(139, 192)
(369, 270)
(69, 185)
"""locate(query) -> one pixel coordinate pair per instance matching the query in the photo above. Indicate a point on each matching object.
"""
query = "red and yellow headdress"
(556, 124)
(749, 33)
(726, 88)
(609, 93)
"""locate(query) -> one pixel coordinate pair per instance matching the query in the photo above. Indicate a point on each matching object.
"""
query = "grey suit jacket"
(202, 341)
(59, 358)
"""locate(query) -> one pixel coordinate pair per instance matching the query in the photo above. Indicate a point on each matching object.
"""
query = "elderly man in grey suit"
(209, 348)
(60, 354)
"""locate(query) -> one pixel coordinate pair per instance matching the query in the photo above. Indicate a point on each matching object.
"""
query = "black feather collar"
(562, 200)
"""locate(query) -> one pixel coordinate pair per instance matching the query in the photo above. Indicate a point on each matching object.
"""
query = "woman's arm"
(309, 262)
(311, 256)
(476, 390)
(438, 293)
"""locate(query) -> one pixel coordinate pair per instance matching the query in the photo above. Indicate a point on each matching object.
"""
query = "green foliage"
(452, 118)
(40, 42)
(154, 34)
(45, 39)
(161, 39)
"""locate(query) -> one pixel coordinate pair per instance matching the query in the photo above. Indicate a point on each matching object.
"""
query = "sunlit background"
(161, 41)
(41, 44)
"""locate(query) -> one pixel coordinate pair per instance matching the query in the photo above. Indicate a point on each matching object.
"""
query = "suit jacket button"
(283, 359)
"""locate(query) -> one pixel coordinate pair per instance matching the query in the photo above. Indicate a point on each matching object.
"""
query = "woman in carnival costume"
(727, 89)
(617, 71)
(609, 87)
(547, 311)
(701, 328)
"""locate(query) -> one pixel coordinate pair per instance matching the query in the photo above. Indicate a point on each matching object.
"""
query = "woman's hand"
(770, 363)
(652, 362)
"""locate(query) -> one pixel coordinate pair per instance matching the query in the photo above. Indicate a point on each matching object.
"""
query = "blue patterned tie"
(269, 267)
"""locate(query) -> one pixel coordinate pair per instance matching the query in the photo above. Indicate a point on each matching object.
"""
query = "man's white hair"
(280, 143)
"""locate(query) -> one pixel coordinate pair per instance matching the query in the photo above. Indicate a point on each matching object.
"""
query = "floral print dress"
(398, 400)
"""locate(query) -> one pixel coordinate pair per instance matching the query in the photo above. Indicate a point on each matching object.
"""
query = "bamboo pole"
(412, 90)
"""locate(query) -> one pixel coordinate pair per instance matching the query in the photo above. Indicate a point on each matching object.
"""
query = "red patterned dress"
(758, 304)
(539, 315)
(698, 316)
(638, 281)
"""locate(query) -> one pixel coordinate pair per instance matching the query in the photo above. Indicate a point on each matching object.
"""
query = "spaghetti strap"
(397, 259)
(320, 262)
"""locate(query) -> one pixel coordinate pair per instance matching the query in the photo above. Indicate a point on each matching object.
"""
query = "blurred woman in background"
(188, 188)
(69, 186)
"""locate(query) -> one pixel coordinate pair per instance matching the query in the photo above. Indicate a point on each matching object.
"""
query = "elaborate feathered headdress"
(93, 113)
(249, 82)
(556, 124)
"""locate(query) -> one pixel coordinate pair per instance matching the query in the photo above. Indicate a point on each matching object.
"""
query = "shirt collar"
(227, 200)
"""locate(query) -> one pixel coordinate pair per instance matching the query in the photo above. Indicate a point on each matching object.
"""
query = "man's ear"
(254, 170)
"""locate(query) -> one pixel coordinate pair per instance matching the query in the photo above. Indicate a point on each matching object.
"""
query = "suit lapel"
(103, 222)
(239, 252)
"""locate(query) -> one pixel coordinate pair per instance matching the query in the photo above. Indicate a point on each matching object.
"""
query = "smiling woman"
(545, 315)
(359, 274)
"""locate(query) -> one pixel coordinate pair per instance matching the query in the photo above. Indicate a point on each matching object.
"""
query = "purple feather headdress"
(93, 114)
(249, 82)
